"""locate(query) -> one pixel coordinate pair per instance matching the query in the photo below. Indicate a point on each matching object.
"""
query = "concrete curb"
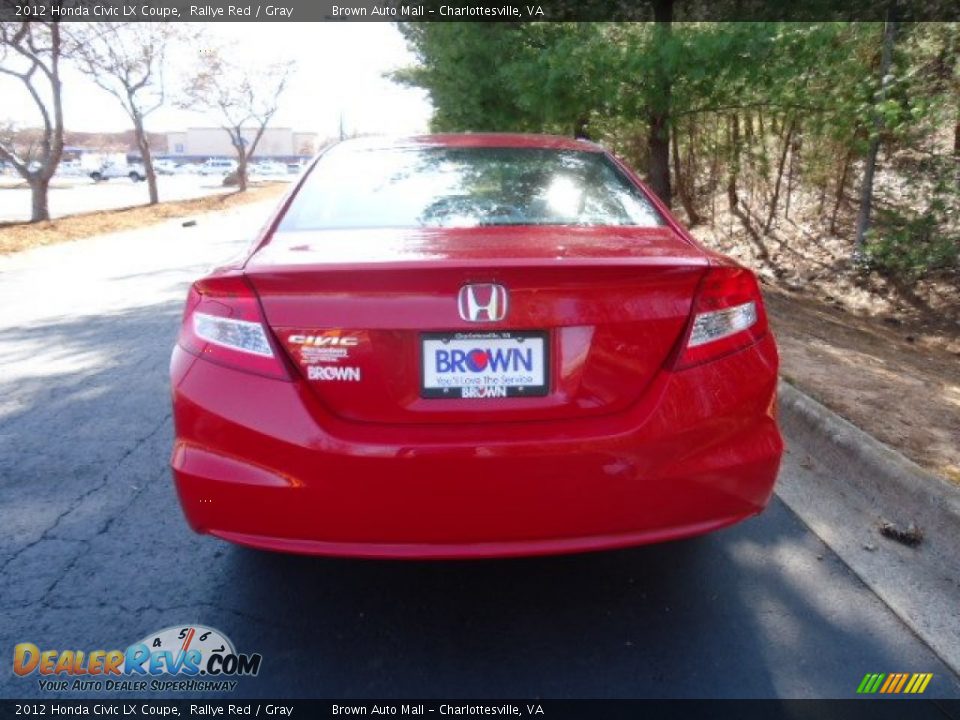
(844, 483)
(896, 482)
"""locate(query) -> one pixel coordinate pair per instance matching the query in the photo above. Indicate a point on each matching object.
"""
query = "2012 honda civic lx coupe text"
(470, 346)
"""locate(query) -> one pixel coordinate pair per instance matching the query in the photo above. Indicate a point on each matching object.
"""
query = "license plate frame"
(485, 389)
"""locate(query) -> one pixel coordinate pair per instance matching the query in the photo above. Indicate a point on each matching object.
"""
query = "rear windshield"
(465, 187)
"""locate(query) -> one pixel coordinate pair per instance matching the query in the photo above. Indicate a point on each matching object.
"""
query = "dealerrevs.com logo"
(178, 658)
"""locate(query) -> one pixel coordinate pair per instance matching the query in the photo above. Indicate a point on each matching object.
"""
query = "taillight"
(727, 314)
(223, 322)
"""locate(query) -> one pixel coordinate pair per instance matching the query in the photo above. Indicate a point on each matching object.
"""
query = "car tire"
(135, 177)
(96, 177)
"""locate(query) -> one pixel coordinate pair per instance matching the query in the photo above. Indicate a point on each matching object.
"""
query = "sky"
(340, 69)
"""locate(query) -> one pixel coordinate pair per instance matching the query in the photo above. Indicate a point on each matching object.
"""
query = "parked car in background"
(70, 168)
(470, 346)
(187, 169)
(164, 167)
(268, 168)
(216, 166)
(107, 171)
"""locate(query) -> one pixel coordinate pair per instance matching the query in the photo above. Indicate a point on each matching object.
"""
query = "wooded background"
(853, 127)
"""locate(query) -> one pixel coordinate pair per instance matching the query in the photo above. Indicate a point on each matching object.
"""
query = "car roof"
(472, 140)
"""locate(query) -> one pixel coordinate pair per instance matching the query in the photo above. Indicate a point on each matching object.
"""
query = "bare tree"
(26, 142)
(31, 52)
(246, 99)
(126, 60)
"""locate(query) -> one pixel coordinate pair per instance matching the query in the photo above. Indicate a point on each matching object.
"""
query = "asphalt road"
(69, 196)
(94, 553)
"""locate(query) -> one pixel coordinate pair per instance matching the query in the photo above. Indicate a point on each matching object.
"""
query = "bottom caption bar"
(874, 708)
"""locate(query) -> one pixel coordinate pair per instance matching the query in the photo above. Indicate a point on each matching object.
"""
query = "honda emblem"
(483, 303)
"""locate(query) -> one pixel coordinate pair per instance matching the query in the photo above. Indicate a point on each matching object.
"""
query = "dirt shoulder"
(21, 236)
(878, 376)
(883, 354)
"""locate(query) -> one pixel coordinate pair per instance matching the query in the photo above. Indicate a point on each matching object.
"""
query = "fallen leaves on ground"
(21, 236)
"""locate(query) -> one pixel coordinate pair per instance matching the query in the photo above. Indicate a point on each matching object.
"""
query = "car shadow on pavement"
(760, 610)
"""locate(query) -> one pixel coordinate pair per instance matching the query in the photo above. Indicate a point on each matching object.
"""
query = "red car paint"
(642, 435)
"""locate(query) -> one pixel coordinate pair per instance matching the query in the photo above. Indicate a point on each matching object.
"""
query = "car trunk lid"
(356, 311)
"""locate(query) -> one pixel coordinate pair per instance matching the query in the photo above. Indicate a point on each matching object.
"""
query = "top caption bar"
(430, 11)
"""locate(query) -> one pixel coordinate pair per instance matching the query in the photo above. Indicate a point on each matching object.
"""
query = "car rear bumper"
(258, 462)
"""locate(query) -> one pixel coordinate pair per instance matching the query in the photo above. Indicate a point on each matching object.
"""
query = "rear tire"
(96, 177)
(136, 177)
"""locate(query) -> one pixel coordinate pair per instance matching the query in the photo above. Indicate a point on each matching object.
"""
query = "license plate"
(483, 364)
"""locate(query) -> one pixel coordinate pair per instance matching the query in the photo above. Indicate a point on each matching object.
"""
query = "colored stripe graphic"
(894, 683)
(891, 680)
(870, 683)
(918, 683)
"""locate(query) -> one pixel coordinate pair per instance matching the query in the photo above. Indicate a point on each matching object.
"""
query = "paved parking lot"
(95, 553)
(82, 195)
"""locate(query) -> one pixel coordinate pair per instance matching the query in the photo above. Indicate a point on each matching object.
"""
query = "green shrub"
(911, 246)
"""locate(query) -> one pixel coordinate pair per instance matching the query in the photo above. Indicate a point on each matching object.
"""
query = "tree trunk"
(956, 138)
(764, 154)
(580, 128)
(250, 150)
(734, 162)
(147, 156)
(659, 158)
(51, 141)
(956, 147)
(749, 157)
(763, 256)
(841, 190)
(242, 173)
(780, 166)
(658, 140)
(39, 191)
(683, 189)
(151, 176)
(866, 190)
(236, 139)
(791, 173)
(714, 169)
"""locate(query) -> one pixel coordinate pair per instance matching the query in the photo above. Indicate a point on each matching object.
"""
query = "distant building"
(277, 143)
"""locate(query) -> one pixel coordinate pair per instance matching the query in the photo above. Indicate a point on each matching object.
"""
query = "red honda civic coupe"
(472, 346)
